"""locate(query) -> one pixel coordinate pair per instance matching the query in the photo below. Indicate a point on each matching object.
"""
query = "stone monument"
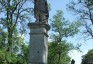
(38, 47)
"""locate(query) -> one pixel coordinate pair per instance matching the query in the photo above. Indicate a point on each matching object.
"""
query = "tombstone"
(38, 47)
(73, 61)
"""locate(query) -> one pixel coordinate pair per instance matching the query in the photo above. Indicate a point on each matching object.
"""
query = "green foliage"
(15, 15)
(59, 48)
(58, 53)
(88, 58)
(19, 51)
(13, 21)
(49, 7)
(3, 38)
(63, 27)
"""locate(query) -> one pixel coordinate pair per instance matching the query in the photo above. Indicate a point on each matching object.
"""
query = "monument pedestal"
(38, 48)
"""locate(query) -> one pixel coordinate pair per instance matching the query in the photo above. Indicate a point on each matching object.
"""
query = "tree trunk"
(10, 37)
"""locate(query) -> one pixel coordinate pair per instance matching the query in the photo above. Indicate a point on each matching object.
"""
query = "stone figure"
(41, 13)
(73, 61)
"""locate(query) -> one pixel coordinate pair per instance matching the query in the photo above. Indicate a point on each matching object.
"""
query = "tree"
(63, 27)
(84, 10)
(59, 48)
(15, 15)
(19, 52)
(58, 53)
(88, 58)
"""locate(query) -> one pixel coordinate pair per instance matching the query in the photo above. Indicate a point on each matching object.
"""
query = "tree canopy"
(18, 52)
(59, 48)
(15, 14)
(88, 58)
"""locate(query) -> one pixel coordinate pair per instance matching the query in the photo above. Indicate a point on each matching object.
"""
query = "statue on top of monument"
(41, 13)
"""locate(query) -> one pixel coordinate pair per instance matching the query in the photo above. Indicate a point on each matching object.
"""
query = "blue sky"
(86, 45)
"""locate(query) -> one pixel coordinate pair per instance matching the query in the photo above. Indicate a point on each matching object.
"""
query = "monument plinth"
(38, 48)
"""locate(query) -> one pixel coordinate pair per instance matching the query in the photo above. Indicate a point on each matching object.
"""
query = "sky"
(86, 45)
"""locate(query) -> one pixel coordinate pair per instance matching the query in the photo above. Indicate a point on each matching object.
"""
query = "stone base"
(38, 48)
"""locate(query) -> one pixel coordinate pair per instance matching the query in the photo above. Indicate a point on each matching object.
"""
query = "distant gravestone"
(73, 61)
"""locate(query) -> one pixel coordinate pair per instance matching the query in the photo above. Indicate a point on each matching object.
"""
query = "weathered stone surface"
(38, 48)
(41, 13)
